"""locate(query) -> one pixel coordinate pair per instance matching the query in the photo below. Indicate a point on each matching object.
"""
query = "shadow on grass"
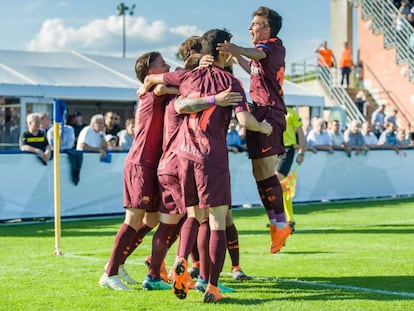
(376, 288)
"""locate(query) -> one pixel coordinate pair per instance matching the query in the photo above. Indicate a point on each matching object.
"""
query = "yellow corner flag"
(289, 182)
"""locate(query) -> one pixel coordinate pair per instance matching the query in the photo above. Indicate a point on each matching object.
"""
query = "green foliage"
(343, 256)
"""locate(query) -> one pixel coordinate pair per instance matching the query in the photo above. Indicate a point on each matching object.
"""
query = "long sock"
(188, 237)
(160, 244)
(136, 241)
(271, 193)
(195, 255)
(288, 203)
(217, 250)
(233, 244)
(176, 234)
(203, 241)
(122, 241)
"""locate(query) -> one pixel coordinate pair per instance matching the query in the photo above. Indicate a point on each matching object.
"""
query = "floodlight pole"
(122, 10)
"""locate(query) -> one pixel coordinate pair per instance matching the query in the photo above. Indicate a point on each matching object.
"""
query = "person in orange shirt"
(326, 59)
(345, 64)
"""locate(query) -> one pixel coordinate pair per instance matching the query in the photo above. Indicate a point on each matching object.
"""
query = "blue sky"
(93, 26)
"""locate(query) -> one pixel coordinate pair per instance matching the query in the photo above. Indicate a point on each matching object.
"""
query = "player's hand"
(300, 158)
(228, 98)
(266, 128)
(141, 91)
(228, 48)
(206, 60)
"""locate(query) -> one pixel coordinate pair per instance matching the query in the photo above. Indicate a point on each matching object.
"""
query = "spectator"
(76, 121)
(392, 117)
(91, 138)
(405, 8)
(403, 140)
(126, 136)
(388, 138)
(345, 64)
(369, 137)
(318, 138)
(377, 119)
(361, 102)
(233, 138)
(112, 142)
(34, 140)
(354, 139)
(67, 137)
(411, 134)
(337, 137)
(111, 126)
(44, 122)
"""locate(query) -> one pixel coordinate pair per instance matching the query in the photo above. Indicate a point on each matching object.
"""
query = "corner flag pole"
(59, 110)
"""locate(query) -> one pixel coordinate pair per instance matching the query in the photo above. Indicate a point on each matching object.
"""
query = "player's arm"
(223, 99)
(247, 120)
(162, 89)
(149, 82)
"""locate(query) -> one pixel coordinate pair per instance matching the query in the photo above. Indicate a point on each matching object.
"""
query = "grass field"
(343, 256)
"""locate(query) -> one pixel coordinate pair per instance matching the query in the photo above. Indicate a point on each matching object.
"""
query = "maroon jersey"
(149, 123)
(202, 136)
(267, 75)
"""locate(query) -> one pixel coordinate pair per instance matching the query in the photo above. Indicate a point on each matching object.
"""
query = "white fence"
(26, 186)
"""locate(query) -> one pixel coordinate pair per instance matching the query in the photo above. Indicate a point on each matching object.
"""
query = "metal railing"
(398, 33)
(307, 69)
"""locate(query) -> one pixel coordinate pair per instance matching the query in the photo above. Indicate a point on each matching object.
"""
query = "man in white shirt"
(91, 137)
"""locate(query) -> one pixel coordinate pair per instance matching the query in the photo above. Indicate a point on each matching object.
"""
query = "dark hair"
(211, 38)
(143, 63)
(273, 18)
(192, 43)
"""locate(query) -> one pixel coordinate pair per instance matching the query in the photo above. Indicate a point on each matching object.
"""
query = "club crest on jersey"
(145, 199)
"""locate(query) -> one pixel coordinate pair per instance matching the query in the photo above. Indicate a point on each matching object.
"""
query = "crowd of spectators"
(103, 133)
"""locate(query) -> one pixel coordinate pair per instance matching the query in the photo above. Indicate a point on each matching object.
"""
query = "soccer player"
(141, 193)
(266, 66)
(203, 160)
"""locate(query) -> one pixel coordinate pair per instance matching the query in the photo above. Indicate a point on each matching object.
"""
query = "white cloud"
(104, 36)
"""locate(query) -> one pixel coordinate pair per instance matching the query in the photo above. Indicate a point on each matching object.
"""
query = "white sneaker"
(124, 276)
(112, 282)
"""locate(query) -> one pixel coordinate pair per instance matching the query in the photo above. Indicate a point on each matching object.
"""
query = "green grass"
(343, 256)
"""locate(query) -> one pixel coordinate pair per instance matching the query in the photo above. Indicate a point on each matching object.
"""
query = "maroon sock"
(233, 244)
(160, 245)
(122, 241)
(217, 254)
(271, 189)
(176, 234)
(188, 237)
(195, 255)
(203, 240)
(136, 241)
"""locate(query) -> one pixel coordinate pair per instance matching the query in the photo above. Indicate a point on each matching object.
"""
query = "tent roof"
(72, 75)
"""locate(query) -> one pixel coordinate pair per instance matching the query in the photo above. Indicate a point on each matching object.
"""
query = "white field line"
(310, 283)
(344, 287)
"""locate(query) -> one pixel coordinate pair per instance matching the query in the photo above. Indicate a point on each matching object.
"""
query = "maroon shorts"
(141, 189)
(206, 186)
(170, 188)
(260, 145)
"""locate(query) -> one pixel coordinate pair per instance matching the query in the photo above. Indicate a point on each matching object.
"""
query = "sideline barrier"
(26, 187)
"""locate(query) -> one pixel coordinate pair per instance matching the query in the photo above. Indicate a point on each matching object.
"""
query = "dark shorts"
(284, 162)
(260, 145)
(141, 189)
(170, 188)
(206, 186)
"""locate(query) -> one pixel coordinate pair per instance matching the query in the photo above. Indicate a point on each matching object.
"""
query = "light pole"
(122, 10)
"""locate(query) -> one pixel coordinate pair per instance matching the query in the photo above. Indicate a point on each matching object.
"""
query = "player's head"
(189, 47)
(150, 63)
(211, 38)
(266, 24)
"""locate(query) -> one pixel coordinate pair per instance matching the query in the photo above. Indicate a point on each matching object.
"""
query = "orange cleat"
(212, 294)
(279, 237)
(179, 279)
